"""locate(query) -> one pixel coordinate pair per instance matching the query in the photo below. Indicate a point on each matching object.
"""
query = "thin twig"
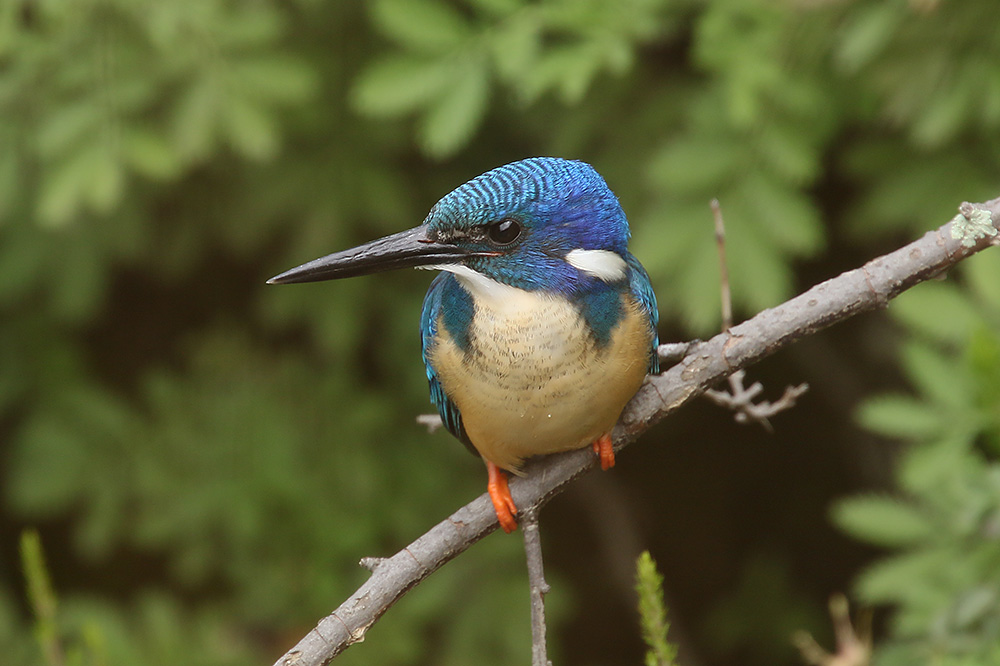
(740, 399)
(720, 246)
(864, 289)
(854, 644)
(539, 588)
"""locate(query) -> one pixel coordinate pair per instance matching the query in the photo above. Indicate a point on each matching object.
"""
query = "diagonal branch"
(863, 289)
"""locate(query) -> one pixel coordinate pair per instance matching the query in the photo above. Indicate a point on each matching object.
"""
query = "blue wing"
(442, 288)
(642, 289)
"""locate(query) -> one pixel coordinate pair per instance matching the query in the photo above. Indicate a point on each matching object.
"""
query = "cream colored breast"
(534, 381)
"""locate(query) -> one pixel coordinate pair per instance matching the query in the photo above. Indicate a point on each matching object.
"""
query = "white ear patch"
(602, 264)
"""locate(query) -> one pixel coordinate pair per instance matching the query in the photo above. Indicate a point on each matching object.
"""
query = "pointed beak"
(407, 249)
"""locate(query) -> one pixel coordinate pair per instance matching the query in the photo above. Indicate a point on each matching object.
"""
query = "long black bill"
(403, 250)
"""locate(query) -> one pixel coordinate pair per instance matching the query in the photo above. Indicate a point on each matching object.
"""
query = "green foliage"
(86, 644)
(239, 447)
(445, 61)
(943, 577)
(884, 521)
(41, 596)
(653, 612)
(113, 89)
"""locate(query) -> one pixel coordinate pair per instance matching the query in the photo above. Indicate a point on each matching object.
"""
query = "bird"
(539, 327)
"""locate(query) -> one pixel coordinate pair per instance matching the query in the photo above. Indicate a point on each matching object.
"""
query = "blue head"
(523, 220)
(540, 223)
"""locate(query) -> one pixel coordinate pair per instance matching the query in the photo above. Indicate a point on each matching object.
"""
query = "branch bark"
(537, 585)
(864, 289)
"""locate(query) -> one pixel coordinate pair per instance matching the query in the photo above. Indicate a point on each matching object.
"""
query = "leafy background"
(207, 458)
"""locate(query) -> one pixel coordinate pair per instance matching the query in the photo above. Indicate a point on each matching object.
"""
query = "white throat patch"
(602, 264)
(497, 294)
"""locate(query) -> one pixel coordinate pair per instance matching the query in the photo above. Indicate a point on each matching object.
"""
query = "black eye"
(504, 232)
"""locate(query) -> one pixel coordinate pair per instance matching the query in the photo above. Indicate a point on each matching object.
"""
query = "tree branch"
(539, 588)
(868, 288)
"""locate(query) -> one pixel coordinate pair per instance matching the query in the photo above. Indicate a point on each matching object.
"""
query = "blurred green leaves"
(446, 60)
(159, 161)
(942, 577)
(112, 87)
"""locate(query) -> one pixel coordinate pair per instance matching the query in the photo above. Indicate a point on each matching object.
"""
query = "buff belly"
(534, 381)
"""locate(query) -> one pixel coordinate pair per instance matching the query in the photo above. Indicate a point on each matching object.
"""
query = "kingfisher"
(541, 325)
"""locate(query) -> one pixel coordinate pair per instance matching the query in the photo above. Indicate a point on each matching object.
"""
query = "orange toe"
(605, 451)
(499, 492)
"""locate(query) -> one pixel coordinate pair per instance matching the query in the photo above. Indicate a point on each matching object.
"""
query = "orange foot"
(605, 451)
(499, 492)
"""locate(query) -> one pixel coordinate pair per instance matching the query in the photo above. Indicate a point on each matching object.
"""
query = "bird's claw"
(605, 451)
(503, 503)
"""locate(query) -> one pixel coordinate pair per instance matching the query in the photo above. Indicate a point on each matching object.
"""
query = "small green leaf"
(894, 579)
(883, 521)
(867, 34)
(66, 126)
(194, 117)
(107, 178)
(251, 130)
(900, 416)
(751, 253)
(150, 154)
(927, 468)
(937, 376)
(942, 116)
(88, 175)
(975, 605)
(429, 26)
(983, 274)
(698, 286)
(499, 7)
(275, 78)
(696, 163)
(783, 212)
(939, 310)
(570, 69)
(789, 152)
(455, 115)
(399, 85)
(515, 47)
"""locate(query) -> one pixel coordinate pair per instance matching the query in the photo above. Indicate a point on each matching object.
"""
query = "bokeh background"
(206, 458)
